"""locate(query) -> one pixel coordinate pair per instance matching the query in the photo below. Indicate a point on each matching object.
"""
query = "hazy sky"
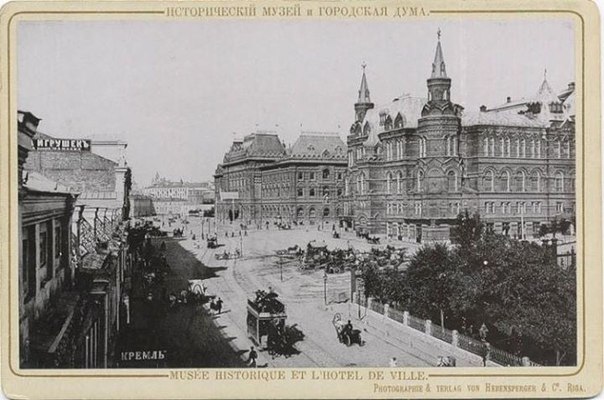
(177, 91)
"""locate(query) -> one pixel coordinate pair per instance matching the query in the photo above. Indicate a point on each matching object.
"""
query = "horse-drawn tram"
(265, 314)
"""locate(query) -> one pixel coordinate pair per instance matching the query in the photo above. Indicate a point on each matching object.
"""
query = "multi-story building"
(261, 180)
(415, 163)
(103, 183)
(72, 264)
(170, 197)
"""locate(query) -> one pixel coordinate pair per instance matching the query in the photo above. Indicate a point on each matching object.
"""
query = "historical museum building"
(415, 163)
(261, 180)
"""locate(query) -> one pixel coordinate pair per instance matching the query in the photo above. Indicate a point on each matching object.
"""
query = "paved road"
(187, 333)
(303, 293)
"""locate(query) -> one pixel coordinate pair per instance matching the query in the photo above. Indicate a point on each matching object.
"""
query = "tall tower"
(439, 87)
(438, 132)
(364, 102)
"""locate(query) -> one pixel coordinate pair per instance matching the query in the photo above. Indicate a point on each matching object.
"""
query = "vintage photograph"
(228, 193)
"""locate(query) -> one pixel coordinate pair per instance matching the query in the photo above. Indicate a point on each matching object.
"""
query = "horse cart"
(346, 333)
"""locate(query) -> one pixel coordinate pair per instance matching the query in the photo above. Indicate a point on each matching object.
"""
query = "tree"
(468, 230)
(432, 277)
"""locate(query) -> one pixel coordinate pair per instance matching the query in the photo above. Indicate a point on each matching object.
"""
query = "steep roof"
(438, 66)
(501, 118)
(364, 90)
(318, 145)
(39, 183)
(265, 145)
(409, 108)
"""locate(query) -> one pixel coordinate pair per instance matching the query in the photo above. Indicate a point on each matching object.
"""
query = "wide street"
(303, 293)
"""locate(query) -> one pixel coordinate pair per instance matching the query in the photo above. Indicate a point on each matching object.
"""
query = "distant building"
(415, 163)
(261, 180)
(179, 197)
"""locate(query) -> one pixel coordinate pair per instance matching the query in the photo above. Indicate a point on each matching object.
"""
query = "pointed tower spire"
(364, 89)
(364, 101)
(439, 86)
(438, 66)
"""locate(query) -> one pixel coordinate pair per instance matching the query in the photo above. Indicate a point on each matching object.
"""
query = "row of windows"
(522, 183)
(48, 243)
(313, 193)
(325, 174)
(506, 207)
(300, 212)
(520, 148)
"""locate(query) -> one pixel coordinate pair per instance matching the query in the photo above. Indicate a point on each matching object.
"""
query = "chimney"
(27, 127)
(509, 99)
(483, 108)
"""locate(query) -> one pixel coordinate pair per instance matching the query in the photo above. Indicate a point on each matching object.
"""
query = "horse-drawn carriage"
(346, 333)
(212, 242)
(228, 255)
(263, 311)
(266, 325)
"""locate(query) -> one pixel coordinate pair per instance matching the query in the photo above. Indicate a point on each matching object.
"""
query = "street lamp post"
(325, 287)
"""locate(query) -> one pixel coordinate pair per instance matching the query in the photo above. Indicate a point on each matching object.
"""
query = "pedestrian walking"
(483, 331)
(219, 305)
(252, 357)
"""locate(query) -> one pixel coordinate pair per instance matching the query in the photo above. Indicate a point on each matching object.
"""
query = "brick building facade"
(415, 163)
(267, 182)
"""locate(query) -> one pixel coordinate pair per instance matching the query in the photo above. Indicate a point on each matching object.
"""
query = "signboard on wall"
(62, 144)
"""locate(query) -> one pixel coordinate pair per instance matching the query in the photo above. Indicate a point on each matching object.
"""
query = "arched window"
(521, 181)
(346, 186)
(539, 148)
(311, 192)
(312, 213)
(567, 148)
(486, 147)
(533, 148)
(389, 183)
(366, 129)
(502, 140)
(388, 123)
(399, 182)
(452, 181)
(492, 146)
(326, 173)
(420, 179)
(508, 145)
(558, 148)
(537, 181)
(362, 180)
(300, 212)
(559, 181)
(326, 212)
(517, 148)
(325, 191)
(422, 147)
(505, 181)
(398, 121)
(523, 148)
(489, 181)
